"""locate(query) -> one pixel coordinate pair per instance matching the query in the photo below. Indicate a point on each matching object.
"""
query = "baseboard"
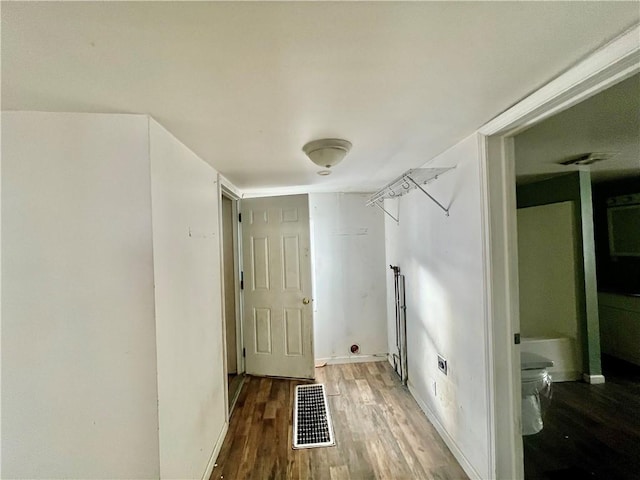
(593, 379)
(216, 451)
(453, 446)
(352, 359)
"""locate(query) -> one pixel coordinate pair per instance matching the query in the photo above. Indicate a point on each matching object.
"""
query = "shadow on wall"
(618, 279)
(616, 274)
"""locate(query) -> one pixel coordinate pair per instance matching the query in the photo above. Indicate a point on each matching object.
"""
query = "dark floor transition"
(590, 431)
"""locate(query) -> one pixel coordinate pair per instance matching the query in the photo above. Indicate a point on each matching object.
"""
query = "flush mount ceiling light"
(327, 152)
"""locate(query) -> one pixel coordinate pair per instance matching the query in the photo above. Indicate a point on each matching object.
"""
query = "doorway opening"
(613, 63)
(230, 268)
(577, 295)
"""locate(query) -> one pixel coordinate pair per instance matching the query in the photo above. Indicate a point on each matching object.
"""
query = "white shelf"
(406, 182)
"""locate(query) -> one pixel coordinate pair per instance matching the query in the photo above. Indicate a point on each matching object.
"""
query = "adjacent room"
(312, 239)
(578, 193)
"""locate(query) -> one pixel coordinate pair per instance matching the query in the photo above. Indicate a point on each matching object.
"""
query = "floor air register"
(311, 419)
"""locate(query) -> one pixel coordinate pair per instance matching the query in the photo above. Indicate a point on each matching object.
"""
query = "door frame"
(611, 64)
(226, 189)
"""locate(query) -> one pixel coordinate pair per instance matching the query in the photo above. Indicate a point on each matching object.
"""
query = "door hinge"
(516, 339)
(240, 217)
(241, 280)
(244, 352)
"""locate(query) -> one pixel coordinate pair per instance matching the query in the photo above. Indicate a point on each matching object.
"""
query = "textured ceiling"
(245, 85)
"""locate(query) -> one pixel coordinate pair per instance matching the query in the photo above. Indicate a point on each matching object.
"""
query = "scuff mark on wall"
(196, 233)
(352, 232)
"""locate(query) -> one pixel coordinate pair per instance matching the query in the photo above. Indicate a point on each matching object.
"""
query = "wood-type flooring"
(590, 431)
(380, 431)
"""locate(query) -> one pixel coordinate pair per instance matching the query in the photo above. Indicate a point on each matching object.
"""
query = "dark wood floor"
(590, 431)
(380, 431)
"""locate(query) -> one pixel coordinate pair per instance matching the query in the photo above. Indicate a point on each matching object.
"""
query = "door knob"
(306, 301)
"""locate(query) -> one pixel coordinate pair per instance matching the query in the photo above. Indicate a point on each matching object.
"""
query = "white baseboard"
(380, 357)
(216, 451)
(453, 446)
(593, 379)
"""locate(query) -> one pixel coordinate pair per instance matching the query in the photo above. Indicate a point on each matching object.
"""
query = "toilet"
(536, 390)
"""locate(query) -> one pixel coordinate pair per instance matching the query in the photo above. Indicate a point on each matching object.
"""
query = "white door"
(278, 328)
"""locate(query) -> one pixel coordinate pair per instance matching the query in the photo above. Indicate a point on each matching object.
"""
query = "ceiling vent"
(587, 158)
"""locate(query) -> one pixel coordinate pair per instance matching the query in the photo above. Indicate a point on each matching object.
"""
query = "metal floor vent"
(311, 420)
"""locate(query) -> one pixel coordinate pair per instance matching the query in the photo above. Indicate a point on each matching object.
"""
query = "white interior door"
(278, 325)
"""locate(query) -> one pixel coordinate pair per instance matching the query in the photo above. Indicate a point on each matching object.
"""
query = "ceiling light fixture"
(327, 152)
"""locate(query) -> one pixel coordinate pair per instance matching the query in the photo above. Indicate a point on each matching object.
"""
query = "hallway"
(380, 431)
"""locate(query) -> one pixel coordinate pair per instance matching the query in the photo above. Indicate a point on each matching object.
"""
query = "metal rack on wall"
(406, 182)
(400, 357)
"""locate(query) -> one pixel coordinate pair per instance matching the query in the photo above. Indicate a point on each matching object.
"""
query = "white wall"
(442, 259)
(547, 271)
(186, 252)
(95, 210)
(78, 333)
(349, 282)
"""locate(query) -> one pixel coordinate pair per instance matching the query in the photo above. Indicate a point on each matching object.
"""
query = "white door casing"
(611, 64)
(278, 323)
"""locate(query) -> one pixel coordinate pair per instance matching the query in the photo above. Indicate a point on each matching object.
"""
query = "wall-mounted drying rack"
(406, 182)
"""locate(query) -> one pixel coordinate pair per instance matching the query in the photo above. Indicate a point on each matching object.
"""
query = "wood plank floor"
(590, 431)
(380, 431)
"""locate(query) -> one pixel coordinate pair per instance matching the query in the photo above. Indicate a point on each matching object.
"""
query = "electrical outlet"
(442, 364)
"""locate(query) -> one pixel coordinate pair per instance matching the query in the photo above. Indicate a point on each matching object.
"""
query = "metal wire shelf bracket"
(406, 182)
(379, 205)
